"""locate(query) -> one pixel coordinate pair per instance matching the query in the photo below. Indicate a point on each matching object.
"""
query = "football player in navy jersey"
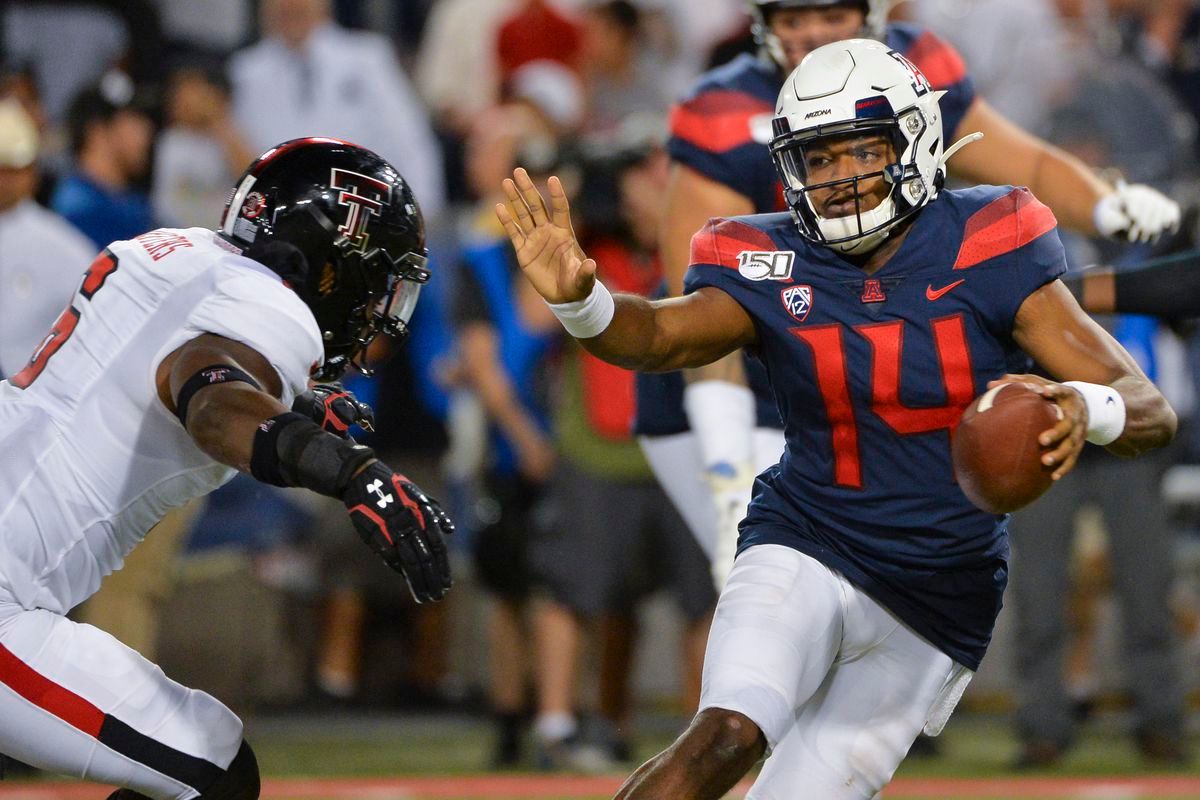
(866, 585)
(722, 168)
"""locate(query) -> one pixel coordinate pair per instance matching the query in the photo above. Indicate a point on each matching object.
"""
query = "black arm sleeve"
(1167, 287)
(1170, 287)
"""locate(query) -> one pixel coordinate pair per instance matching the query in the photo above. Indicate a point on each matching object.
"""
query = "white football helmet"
(875, 11)
(859, 85)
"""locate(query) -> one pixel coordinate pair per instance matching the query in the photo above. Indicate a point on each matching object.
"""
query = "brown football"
(997, 458)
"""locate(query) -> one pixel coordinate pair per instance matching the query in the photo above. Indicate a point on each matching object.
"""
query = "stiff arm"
(643, 335)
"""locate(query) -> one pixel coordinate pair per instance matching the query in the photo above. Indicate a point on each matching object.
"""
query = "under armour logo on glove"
(375, 488)
(404, 526)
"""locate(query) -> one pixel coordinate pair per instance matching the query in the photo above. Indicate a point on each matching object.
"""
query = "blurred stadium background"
(348, 689)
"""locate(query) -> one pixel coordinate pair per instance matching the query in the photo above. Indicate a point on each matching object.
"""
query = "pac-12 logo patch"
(798, 300)
(766, 265)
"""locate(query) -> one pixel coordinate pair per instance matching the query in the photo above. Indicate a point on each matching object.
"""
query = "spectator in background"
(595, 568)
(17, 81)
(506, 343)
(502, 382)
(457, 70)
(309, 77)
(622, 75)
(216, 26)
(42, 257)
(200, 152)
(67, 44)
(458, 75)
(111, 136)
(537, 31)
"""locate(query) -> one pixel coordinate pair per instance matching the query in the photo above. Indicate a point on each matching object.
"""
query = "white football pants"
(839, 686)
(74, 700)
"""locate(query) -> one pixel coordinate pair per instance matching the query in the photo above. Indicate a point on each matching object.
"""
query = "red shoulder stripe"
(717, 121)
(721, 240)
(1002, 226)
(940, 62)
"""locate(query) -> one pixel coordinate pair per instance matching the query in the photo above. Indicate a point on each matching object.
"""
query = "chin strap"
(959, 145)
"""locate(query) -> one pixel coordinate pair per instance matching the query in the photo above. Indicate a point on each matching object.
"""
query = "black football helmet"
(342, 228)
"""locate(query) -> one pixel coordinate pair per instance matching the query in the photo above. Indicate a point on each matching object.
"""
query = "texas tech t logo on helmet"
(363, 196)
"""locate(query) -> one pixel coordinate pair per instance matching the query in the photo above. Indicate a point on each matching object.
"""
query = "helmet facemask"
(863, 229)
(857, 88)
(371, 293)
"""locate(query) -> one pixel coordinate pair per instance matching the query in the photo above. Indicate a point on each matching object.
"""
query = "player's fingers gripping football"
(1061, 444)
(1067, 438)
(334, 409)
(403, 526)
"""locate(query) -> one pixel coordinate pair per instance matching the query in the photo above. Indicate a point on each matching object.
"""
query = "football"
(997, 458)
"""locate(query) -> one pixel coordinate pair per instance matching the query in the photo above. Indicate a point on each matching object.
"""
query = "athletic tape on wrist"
(292, 450)
(1106, 411)
(208, 376)
(588, 317)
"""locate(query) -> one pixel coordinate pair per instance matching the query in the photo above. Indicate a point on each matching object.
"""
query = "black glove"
(404, 526)
(334, 409)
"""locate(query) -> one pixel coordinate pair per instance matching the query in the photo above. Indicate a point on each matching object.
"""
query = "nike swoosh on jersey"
(933, 294)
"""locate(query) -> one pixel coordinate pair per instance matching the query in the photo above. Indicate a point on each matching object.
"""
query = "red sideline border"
(520, 787)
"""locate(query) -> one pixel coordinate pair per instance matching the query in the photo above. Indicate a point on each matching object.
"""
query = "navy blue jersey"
(870, 375)
(721, 128)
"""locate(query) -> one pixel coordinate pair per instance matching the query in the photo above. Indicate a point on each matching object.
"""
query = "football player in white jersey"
(175, 366)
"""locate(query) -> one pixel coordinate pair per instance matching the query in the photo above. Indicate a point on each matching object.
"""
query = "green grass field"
(423, 758)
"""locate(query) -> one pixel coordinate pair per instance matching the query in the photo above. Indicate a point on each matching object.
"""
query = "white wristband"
(588, 317)
(1106, 411)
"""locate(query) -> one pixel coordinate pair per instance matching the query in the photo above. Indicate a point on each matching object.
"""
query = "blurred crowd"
(119, 116)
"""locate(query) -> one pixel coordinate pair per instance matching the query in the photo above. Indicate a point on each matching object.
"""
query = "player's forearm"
(629, 341)
(1167, 288)
(223, 419)
(641, 337)
(1070, 187)
(1150, 422)
(1008, 154)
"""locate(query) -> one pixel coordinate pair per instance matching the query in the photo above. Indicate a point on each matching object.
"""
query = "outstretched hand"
(545, 243)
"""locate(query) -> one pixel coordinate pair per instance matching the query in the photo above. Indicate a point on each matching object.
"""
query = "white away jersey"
(90, 459)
